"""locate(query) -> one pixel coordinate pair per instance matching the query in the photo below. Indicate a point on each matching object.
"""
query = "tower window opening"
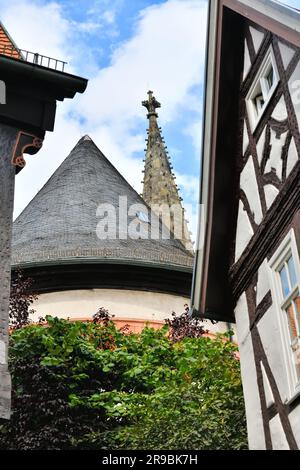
(143, 217)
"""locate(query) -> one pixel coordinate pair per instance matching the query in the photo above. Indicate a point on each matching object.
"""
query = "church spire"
(159, 185)
(151, 104)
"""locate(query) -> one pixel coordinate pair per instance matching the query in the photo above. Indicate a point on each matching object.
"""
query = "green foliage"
(89, 386)
(21, 300)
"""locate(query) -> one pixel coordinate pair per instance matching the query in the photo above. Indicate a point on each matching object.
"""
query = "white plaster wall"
(261, 145)
(271, 193)
(268, 328)
(269, 331)
(279, 441)
(275, 161)
(280, 111)
(245, 138)
(242, 320)
(257, 37)
(129, 304)
(249, 378)
(295, 423)
(247, 61)
(263, 282)
(244, 232)
(287, 53)
(248, 184)
(294, 87)
(292, 158)
(267, 387)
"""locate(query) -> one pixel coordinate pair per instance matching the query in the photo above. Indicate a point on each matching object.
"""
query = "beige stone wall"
(124, 304)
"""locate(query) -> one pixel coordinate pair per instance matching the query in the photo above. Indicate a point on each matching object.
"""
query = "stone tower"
(57, 243)
(160, 191)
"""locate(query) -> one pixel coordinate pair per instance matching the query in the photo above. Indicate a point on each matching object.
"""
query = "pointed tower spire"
(159, 185)
(151, 104)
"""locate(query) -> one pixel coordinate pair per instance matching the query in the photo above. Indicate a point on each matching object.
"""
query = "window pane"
(292, 322)
(284, 282)
(295, 344)
(292, 272)
(297, 306)
(259, 102)
(270, 78)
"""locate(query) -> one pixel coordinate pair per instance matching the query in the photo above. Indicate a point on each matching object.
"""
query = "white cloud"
(38, 28)
(191, 214)
(106, 9)
(40, 167)
(166, 53)
(194, 130)
(189, 185)
(87, 27)
(47, 29)
(109, 16)
(189, 190)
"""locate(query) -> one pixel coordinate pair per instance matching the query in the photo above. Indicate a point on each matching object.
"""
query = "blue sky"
(124, 47)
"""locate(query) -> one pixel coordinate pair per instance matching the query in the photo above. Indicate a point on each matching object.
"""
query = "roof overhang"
(101, 261)
(108, 274)
(272, 15)
(31, 93)
(211, 293)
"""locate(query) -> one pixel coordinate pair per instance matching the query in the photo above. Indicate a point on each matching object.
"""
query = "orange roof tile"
(7, 46)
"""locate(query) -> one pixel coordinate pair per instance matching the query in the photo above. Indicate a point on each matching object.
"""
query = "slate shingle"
(60, 221)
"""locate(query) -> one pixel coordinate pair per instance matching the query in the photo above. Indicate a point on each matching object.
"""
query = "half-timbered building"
(247, 266)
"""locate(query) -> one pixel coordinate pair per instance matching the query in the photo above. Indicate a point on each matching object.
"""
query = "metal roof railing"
(33, 57)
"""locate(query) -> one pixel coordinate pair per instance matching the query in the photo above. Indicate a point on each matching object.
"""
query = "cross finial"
(151, 104)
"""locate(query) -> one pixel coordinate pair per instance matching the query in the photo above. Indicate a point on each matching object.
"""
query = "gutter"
(67, 84)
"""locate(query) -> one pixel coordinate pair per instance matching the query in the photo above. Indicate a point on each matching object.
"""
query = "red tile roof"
(7, 46)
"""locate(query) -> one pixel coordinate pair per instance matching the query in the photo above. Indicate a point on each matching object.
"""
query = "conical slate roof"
(59, 224)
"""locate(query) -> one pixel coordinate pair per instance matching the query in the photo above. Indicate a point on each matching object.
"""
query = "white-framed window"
(262, 89)
(285, 269)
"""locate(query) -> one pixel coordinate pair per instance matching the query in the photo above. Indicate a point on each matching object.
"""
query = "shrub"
(86, 385)
(21, 300)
